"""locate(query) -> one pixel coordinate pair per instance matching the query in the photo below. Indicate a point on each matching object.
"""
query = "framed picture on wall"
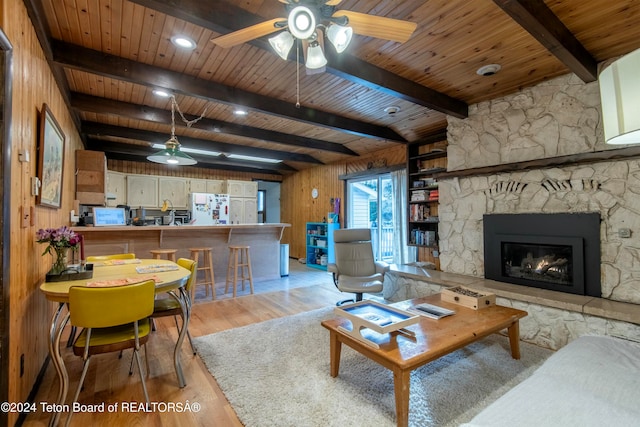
(50, 160)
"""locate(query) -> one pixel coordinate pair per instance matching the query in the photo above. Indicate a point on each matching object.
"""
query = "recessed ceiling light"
(239, 112)
(161, 93)
(183, 42)
(488, 70)
(392, 110)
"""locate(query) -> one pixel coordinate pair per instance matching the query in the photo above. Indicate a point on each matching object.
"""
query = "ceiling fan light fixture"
(302, 22)
(315, 56)
(339, 36)
(282, 44)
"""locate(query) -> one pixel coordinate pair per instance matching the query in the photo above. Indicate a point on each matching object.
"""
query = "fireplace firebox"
(560, 252)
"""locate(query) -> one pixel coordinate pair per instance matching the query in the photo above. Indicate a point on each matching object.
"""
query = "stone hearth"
(554, 319)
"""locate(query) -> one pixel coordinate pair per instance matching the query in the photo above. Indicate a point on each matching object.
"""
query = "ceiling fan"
(308, 20)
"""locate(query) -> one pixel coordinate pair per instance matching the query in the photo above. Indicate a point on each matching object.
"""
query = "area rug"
(276, 373)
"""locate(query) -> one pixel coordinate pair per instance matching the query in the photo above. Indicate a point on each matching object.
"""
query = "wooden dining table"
(170, 278)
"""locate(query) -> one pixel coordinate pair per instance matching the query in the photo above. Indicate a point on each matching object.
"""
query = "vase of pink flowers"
(59, 241)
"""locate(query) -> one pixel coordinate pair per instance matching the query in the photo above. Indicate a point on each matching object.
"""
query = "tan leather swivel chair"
(355, 269)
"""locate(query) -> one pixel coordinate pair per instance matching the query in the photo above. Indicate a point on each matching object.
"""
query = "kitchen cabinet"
(142, 191)
(250, 210)
(215, 186)
(116, 189)
(241, 188)
(243, 201)
(320, 250)
(197, 185)
(174, 190)
(91, 177)
(243, 210)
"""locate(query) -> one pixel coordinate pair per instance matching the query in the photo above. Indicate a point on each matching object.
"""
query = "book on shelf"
(423, 237)
(419, 212)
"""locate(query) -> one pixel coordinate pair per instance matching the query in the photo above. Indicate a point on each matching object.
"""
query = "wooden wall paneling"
(297, 206)
(33, 85)
(391, 156)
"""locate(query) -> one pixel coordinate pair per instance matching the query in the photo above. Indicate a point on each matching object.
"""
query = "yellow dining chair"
(96, 258)
(164, 307)
(114, 318)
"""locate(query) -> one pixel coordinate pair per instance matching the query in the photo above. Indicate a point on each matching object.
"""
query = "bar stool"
(238, 258)
(170, 253)
(207, 267)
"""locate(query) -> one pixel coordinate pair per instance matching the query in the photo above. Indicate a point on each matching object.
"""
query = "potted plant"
(59, 241)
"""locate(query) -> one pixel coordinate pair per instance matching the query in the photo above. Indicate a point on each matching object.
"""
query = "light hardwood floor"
(108, 381)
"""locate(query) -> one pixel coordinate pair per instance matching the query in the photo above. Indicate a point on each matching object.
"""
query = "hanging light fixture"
(620, 95)
(302, 22)
(171, 155)
(303, 25)
(282, 44)
(339, 36)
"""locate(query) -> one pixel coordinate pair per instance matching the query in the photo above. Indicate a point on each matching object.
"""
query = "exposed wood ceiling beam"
(535, 17)
(100, 129)
(200, 164)
(92, 61)
(94, 104)
(224, 17)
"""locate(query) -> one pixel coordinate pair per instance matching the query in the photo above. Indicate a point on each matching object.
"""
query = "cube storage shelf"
(319, 242)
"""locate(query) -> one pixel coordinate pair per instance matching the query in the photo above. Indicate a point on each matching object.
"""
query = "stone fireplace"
(559, 252)
(560, 117)
(500, 161)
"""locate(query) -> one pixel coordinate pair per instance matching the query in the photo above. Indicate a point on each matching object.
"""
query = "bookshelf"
(319, 243)
(425, 159)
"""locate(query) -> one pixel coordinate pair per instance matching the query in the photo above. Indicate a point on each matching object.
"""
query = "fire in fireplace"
(559, 252)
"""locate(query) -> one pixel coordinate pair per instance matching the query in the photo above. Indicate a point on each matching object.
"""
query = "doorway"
(370, 204)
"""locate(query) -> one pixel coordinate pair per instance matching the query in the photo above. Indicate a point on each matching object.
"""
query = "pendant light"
(171, 155)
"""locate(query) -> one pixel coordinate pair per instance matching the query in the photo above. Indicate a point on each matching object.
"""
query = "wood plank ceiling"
(108, 56)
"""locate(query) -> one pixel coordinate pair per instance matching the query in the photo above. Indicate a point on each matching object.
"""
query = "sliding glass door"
(370, 204)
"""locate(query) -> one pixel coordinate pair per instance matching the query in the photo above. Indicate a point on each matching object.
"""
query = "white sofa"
(592, 381)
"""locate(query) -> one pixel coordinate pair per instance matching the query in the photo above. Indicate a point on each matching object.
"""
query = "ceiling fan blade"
(378, 26)
(246, 34)
(333, 2)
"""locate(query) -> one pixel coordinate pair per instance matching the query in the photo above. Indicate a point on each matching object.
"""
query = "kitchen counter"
(264, 240)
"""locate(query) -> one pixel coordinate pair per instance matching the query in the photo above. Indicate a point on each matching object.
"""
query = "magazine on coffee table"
(431, 311)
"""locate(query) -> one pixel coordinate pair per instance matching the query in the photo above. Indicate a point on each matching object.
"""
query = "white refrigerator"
(209, 209)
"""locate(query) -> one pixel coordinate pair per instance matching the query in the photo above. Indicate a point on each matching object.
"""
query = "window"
(370, 204)
(262, 215)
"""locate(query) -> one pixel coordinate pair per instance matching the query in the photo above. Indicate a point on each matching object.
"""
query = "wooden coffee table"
(402, 353)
